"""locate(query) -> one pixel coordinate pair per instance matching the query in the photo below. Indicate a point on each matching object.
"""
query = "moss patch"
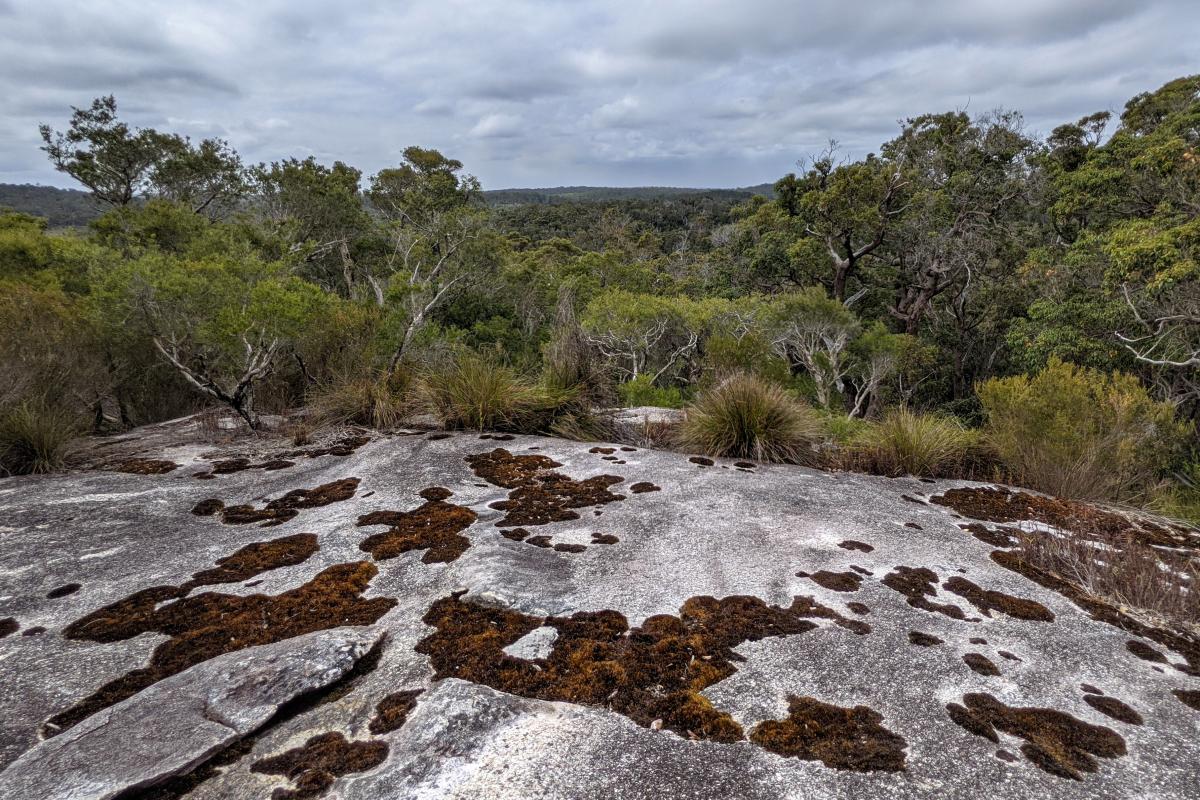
(652, 673)
(981, 664)
(435, 527)
(917, 585)
(538, 494)
(851, 544)
(147, 466)
(1189, 697)
(257, 558)
(837, 581)
(314, 767)
(64, 590)
(281, 509)
(392, 711)
(842, 738)
(1112, 707)
(1054, 740)
(921, 639)
(987, 601)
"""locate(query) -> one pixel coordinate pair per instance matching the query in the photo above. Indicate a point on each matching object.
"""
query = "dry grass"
(747, 417)
(371, 399)
(1157, 585)
(905, 442)
(35, 437)
(478, 394)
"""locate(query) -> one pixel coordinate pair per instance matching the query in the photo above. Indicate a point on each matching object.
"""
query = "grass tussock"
(374, 400)
(747, 417)
(35, 437)
(477, 394)
(906, 442)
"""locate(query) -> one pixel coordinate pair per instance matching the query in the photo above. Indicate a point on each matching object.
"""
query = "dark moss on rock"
(641, 487)
(538, 494)
(702, 461)
(516, 534)
(858, 608)
(981, 664)
(917, 585)
(206, 625)
(652, 673)
(987, 601)
(538, 541)
(392, 711)
(841, 738)
(851, 544)
(36, 630)
(435, 493)
(322, 759)
(996, 537)
(435, 527)
(1054, 740)
(1145, 651)
(281, 509)
(256, 558)
(206, 508)
(8, 626)
(1112, 707)
(147, 466)
(837, 581)
(921, 639)
(564, 547)
(604, 538)
(1189, 697)
(64, 590)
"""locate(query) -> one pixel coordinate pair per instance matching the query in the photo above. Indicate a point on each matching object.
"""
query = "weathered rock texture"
(562, 620)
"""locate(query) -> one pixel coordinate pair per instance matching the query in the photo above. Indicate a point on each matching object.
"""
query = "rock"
(178, 723)
(647, 415)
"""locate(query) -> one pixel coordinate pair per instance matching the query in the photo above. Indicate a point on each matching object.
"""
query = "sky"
(573, 92)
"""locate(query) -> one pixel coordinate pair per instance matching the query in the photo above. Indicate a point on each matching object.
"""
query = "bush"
(641, 391)
(34, 438)
(905, 442)
(746, 417)
(1079, 433)
(478, 394)
(373, 399)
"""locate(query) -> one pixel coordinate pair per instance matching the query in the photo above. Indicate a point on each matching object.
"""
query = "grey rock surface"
(182, 721)
(707, 530)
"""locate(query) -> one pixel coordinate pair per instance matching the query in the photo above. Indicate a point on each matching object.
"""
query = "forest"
(972, 300)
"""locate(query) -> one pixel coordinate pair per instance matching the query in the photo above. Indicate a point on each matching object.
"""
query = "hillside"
(61, 207)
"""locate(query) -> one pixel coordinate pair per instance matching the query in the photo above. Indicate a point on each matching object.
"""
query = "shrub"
(1079, 433)
(641, 391)
(905, 442)
(34, 438)
(746, 417)
(474, 393)
(376, 400)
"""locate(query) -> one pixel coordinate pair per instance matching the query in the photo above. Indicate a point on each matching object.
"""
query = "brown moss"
(392, 711)
(206, 508)
(539, 495)
(841, 738)
(745, 464)
(502, 468)
(702, 461)
(999, 537)
(1004, 755)
(978, 640)
(641, 487)
(861, 570)
(314, 767)
(207, 625)
(1112, 707)
(563, 547)
(64, 590)
(914, 526)
(1007, 655)
(1054, 740)
(435, 527)
(981, 664)
(1189, 697)
(651, 674)
(342, 447)
(923, 639)
(435, 493)
(1087, 688)
(1004, 505)
(257, 558)
(1145, 651)
(434, 437)
(281, 509)
(516, 534)
(850, 544)
(988, 600)
(858, 608)
(604, 538)
(837, 581)
(604, 451)
(36, 630)
(917, 584)
(147, 466)
(1187, 646)
(8, 626)
(538, 541)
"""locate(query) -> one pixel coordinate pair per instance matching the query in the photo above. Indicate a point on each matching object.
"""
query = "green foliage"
(905, 442)
(746, 417)
(35, 437)
(478, 394)
(641, 391)
(1080, 433)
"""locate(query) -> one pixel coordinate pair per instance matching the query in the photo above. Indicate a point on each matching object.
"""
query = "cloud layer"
(669, 92)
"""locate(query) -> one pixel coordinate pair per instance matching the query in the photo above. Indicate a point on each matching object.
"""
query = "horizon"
(587, 95)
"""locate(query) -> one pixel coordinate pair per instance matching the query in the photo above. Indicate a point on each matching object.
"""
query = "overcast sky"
(621, 93)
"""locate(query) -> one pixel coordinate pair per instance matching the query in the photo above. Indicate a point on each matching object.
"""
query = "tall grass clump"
(747, 417)
(906, 442)
(478, 394)
(1080, 433)
(373, 399)
(35, 437)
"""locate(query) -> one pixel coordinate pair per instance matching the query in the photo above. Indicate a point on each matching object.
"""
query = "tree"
(813, 331)
(220, 323)
(436, 232)
(119, 164)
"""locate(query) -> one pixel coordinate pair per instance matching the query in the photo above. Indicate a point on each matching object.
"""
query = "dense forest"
(970, 300)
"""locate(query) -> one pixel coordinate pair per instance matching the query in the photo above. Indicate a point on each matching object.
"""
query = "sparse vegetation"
(35, 437)
(746, 417)
(478, 394)
(905, 442)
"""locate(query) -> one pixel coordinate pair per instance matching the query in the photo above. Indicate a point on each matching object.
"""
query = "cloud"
(685, 92)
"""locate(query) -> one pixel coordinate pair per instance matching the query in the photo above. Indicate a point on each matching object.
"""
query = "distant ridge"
(72, 207)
